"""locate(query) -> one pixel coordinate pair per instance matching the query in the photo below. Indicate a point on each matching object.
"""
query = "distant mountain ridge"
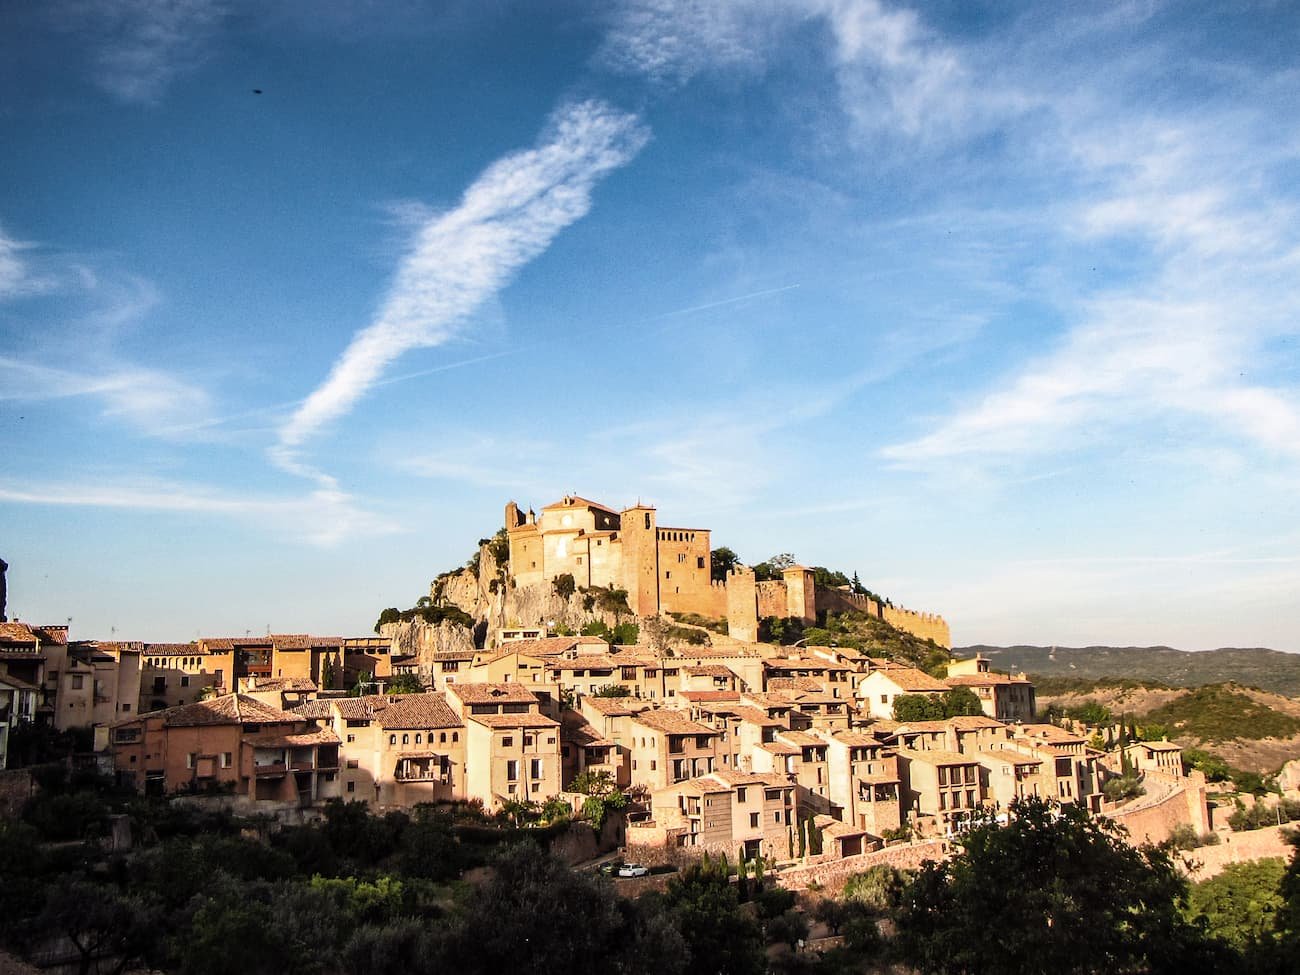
(1269, 670)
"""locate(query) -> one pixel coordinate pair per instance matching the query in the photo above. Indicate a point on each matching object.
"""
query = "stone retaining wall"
(832, 875)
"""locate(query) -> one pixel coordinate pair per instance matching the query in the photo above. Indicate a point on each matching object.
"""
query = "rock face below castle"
(662, 570)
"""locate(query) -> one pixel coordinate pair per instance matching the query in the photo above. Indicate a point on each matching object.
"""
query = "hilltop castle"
(668, 570)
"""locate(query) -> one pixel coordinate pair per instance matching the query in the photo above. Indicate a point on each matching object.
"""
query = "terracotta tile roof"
(1009, 756)
(733, 777)
(927, 727)
(755, 716)
(974, 722)
(315, 709)
(878, 778)
(982, 680)
(613, 707)
(911, 679)
(303, 641)
(226, 709)
(780, 748)
(856, 739)
(794, 684)
(1048, 732)
(300, 739)
(419, 711)
(935, 756)
(52, 634)
(231, 642)
(597, 661)
(804, 663)
(709, 697)
(550, 646)
(493, 693)
(770, 699)
(281, 684)
(710, 670)
(16, 633)
(1160, 746)
(672, 722)
(460, 655)
(514, 720)
(831, 826)
(800, 738)
(578, 502)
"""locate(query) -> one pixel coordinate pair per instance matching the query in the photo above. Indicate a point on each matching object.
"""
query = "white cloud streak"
(148, 399)
(324, 517)
(461, 258)
(143, 45)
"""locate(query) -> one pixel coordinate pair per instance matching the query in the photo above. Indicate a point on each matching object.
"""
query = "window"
(681, 557)
(699, 562)
(189, 760)
(528, 741)
(406, 739)
(512, 770)
(753, 820)
(740, 794)
(351, 739)
(507, 742)
(667, 574)
(535, 768)
(419, 739)
(392, 739)
(77, 682)
(455, 736)
(550, 740)
(126, 707)
(185, 680)
(352, 787)
(884, 698)
(227, 759)
(442, 738)
(776, 816)
(353, 763)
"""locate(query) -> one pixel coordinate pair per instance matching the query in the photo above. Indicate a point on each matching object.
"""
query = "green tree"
(1054, 891)
(563, 585)
(109, 930)
(612, 690)
(918, 707)
(721, 938)
(391, 615)
(721, 561)
(1241, 904)
(404, 684)
(960, 701)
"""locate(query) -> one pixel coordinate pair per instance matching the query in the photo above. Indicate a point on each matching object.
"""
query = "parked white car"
(633, 870)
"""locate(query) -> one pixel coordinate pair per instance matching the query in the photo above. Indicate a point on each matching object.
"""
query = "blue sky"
(995, 304)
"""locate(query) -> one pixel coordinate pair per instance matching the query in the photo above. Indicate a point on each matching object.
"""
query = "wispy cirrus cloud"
(141, 46)
(461, 258)
(1183, 341)
(322, 517)
(148, 399)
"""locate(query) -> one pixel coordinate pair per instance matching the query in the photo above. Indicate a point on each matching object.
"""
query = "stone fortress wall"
(668, 570)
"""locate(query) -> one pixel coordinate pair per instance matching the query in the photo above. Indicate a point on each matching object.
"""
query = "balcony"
(270, 770)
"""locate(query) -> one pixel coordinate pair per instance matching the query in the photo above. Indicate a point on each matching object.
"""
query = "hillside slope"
(1269, 670)
(1247, 728)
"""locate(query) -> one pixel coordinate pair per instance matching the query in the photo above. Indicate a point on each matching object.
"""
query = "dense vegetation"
(425, 610)
(953, 703)
(1221, 713)
(1269, 670)
(1055, 891)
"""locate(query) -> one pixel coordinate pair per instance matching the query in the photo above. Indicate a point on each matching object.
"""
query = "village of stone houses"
(642, 703)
